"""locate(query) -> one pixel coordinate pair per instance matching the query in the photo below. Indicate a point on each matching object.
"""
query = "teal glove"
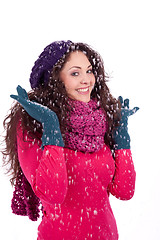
(121, 136)
(51, 129)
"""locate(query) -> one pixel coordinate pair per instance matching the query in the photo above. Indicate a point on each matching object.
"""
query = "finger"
(126, 103)
(134, 110)
(14, 97)
(22, 92)
(121, 100)
(21, 100)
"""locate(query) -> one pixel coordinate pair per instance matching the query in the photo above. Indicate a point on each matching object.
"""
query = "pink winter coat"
(74, 188)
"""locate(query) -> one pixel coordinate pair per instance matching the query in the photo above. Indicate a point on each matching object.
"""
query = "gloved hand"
(48, 118)
(121, 136)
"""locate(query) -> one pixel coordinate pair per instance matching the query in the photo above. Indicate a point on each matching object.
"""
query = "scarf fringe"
(24, 201)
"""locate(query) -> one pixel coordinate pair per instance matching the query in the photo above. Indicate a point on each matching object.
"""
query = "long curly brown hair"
(54, 96)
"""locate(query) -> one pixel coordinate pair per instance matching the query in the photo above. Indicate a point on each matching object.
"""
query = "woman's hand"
(48, 118)
(121, 136)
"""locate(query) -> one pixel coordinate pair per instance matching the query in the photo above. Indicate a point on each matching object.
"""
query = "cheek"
(66, 80)
(69, 84)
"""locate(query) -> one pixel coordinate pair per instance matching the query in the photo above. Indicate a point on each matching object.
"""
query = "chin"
(86, 101)
(83, 99)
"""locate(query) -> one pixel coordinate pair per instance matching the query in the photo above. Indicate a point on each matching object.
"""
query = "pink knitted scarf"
(86, 126)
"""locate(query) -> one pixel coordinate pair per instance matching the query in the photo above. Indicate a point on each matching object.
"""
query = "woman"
(68, 146)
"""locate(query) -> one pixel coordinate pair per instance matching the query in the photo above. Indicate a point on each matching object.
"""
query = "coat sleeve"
(45, 170)
(123, 183)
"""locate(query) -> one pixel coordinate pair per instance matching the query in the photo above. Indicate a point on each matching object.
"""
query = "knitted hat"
(47, 59)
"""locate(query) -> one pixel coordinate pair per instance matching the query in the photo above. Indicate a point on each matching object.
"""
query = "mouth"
(83, 90)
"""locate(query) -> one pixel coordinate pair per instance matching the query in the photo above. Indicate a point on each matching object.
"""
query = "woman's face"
(78, 77)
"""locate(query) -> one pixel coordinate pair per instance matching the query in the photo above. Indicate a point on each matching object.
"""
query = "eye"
(90, 71)
(74, 74)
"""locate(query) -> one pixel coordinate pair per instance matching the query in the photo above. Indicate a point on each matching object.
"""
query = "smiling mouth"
(83, 90)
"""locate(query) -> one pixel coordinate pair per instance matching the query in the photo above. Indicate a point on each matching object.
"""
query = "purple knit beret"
(47, 59)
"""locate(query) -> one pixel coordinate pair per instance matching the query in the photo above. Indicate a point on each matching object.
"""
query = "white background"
(127, 35)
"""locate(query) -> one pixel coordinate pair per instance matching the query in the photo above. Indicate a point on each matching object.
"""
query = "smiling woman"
(78, 77)
(67, 146)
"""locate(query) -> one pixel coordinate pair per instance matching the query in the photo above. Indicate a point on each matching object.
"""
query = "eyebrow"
(80, 67)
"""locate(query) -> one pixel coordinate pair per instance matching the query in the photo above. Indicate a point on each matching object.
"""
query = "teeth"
(83, 90)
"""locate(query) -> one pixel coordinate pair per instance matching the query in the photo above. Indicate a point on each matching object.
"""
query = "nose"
(85, 79)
